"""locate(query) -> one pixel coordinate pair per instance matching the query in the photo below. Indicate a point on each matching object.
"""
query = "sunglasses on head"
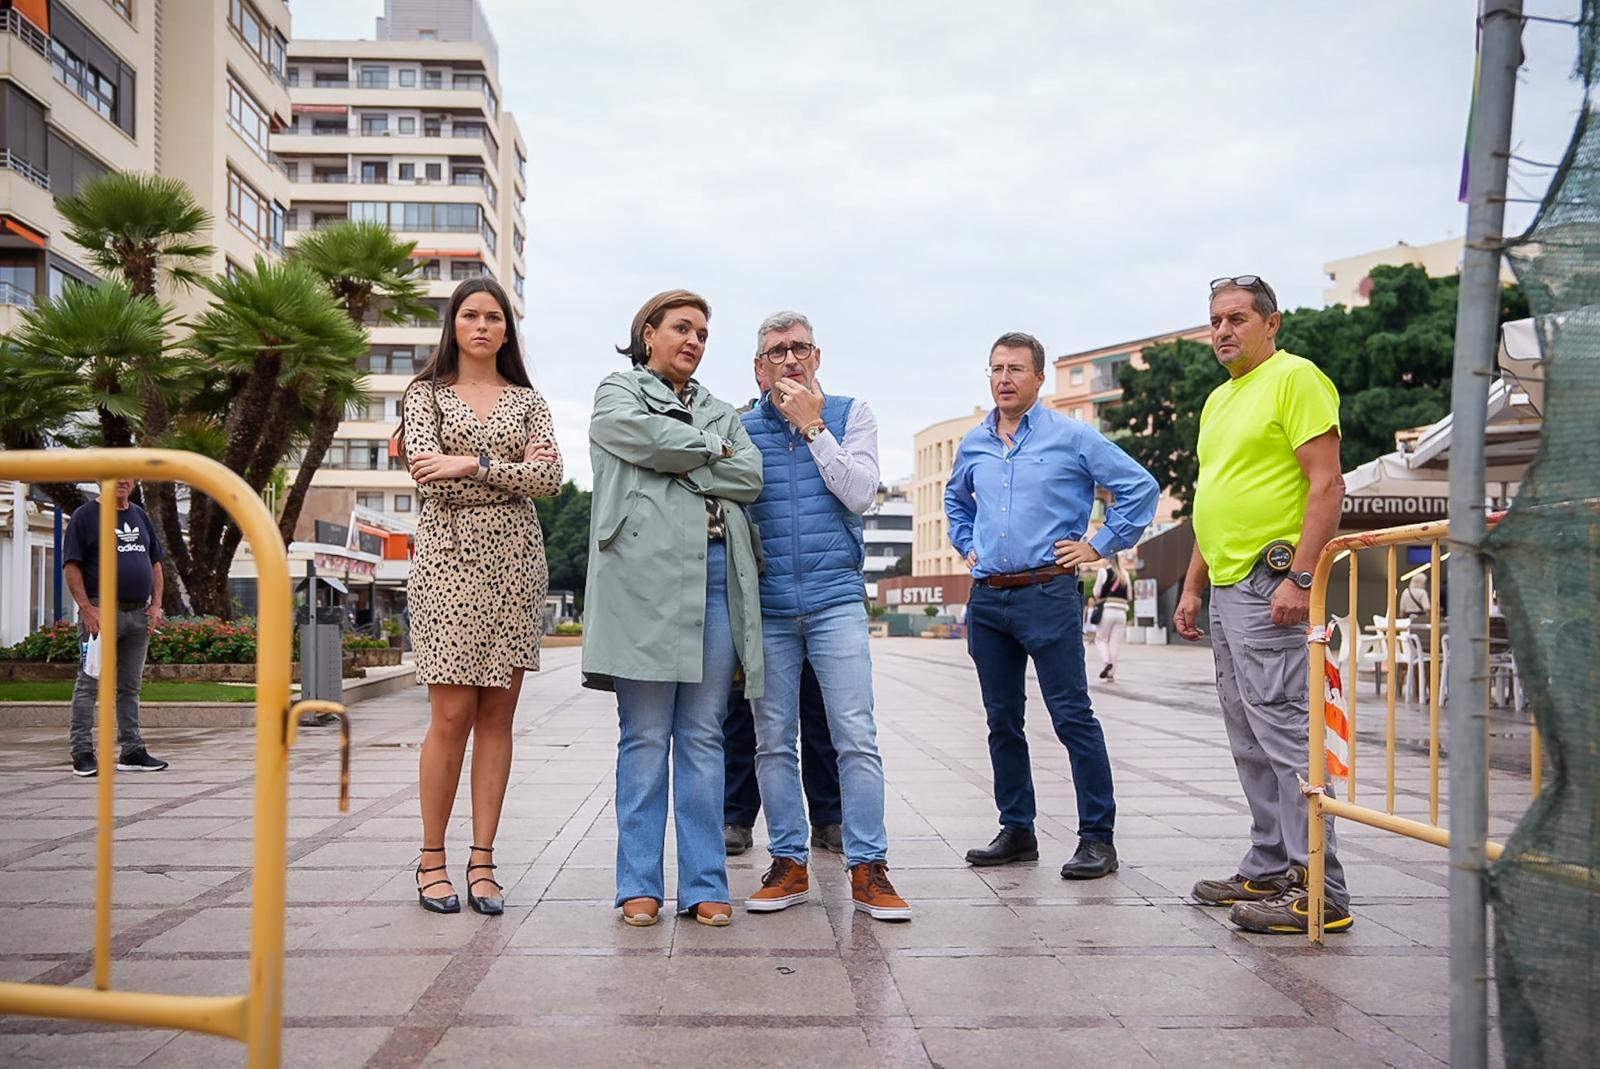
(1254, 283)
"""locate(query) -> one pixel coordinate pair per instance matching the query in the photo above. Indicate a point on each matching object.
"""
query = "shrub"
(569, 629)
(58, 642)
(362, 642)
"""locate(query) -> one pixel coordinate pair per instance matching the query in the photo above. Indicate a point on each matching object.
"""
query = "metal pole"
(1477, 339)
(57, 610)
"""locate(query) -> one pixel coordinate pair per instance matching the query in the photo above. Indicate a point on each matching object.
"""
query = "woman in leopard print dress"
(480, 444)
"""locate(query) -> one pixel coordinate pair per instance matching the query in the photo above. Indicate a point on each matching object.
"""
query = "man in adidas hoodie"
(820, 472)
(138, 612)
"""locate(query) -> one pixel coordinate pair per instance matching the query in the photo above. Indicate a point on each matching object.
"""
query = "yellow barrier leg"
(106, 719)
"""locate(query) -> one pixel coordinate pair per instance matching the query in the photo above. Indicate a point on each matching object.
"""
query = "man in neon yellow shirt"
(1267, 500)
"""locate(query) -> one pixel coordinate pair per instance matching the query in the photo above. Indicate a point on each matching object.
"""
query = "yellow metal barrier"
(1323, 806)
(254, 1018)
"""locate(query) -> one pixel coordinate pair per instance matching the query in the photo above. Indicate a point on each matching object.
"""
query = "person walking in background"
(819, 761)
(1414, 599)
(1112, 589)
(1018, 504)
(820, 471)
(138, 609)
(478, 440)
(672, 607)
(1268, 498)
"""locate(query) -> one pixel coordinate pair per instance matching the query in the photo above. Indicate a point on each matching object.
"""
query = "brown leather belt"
(1036, 577)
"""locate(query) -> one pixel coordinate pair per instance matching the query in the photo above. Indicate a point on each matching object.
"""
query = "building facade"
(1086, 382)
(187, 89)
(405, 130)
(935, 453)
(888, 531)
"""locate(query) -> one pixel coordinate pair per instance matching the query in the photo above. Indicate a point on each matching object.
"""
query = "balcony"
(12, 162)
(14, 296)
(14, 22)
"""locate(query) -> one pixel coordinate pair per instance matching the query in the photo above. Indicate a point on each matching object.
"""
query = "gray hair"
(783, 321)
(1018, 340)
(1262, 298)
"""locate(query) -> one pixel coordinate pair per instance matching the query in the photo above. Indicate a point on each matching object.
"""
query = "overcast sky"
(920, 177)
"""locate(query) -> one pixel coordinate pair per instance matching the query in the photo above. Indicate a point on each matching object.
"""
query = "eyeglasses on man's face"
(779, 353)
(1016, 372)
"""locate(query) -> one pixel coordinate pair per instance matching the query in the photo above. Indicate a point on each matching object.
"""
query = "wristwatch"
(483, 464)
(1302, 580)
(814, 431)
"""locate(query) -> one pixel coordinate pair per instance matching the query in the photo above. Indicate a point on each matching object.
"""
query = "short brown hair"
(650, 316)
(1017, 340)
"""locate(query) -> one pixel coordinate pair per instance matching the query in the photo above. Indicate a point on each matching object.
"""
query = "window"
(366, 499)
(435, 172)
(516, 281)
(265, 43)
(19, 282)
(293, 77)
(408, 77)
(329, 174)
(71, 165)
(408, 126)
(375, 172)
(432, 79)
(84, 64)
(232, 270)
(426, 216)
(59, 275)
(408, 172)
(248, 118)
(402, 503)
(428, 269)
(464, 269)
(262, 220)
(1075, 377)
(123, 8)
(516, 240)
(375, 125)
(522, 163)
(373, 78)
(332, 81)
(432, 128)
(27, 148)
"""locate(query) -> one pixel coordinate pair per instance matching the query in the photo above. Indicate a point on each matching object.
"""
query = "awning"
(23, 231)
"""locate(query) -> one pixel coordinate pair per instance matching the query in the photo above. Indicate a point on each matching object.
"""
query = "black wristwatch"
(1303, 580)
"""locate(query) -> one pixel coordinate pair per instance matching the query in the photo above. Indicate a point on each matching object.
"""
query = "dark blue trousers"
(819, 761)
(1005, 627)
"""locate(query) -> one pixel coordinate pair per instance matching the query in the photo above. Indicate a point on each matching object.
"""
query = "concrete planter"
(60, 671)
(553, 642)
(375, 658)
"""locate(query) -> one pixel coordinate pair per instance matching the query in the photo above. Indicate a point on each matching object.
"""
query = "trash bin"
(322, 653)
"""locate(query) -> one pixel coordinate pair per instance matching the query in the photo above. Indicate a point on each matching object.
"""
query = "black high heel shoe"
(488, 905)
(447, 904)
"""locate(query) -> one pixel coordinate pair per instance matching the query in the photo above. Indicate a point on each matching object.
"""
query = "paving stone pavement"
(1000, 966)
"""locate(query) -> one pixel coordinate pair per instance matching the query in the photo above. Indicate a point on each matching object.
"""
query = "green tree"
(1158, 418)
(99, 348)
(138, 227)
(40, 402)
(902, 566)
(564, 520)
(281, 342)
(372, 276)
(1391, 360)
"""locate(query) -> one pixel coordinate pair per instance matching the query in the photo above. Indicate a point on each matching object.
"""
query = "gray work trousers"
(133, 640)
(1262, 679)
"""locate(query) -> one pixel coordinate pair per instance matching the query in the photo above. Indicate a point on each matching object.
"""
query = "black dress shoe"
(1092, 861)
(1012, 844)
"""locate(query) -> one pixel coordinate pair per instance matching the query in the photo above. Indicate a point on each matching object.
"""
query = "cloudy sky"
(919, 177)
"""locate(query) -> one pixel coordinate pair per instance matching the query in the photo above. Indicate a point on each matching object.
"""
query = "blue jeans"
(819, 761)
(685, 720)
(1043, 621)
(835, 642)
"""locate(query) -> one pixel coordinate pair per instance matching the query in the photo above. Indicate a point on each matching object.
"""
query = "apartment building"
(935, 454)
(184, 88)
(888, 530)
(408, 130)
(1086, 382)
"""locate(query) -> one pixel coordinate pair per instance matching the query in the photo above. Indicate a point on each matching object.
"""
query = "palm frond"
(133, 225)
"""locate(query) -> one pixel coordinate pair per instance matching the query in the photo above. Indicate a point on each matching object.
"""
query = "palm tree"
(40, 404)
(277, 336)
(135, 227)
(372, 276)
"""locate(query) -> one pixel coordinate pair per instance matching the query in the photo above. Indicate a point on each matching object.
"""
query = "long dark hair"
(444, 366)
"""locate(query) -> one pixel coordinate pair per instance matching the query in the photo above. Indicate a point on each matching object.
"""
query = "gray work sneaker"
(1289, 914)
(737, 839)
(1238, 888)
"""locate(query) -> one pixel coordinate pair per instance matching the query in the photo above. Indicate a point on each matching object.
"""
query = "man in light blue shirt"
(1018, 502)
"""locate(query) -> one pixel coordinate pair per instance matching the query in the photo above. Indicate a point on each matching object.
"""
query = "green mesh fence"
(1545, 891)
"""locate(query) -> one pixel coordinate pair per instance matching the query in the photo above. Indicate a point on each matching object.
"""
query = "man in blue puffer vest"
(820, 470)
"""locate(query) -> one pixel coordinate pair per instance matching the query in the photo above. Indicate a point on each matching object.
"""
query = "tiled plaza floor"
(1008, 966)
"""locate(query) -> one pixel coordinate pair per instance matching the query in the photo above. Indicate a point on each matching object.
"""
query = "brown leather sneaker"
(787, 883)
(873, 893)
(714, 914)
(641, 912)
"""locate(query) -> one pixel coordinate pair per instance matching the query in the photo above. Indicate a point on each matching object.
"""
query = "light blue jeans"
(835, 641)
(685, 721)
